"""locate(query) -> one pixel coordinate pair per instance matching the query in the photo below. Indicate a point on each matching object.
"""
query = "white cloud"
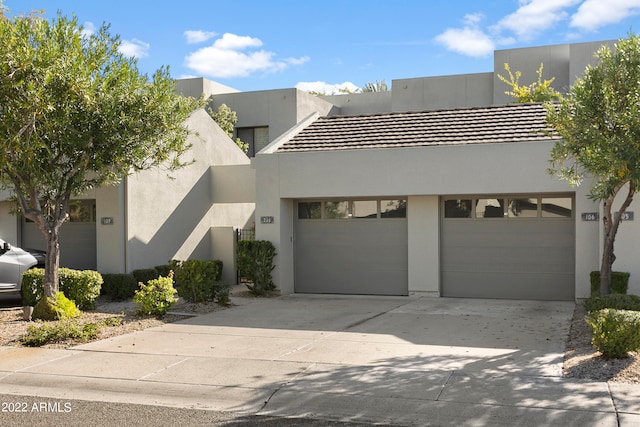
(535, 16)
(327, 88)
(198, 36)
(88, 28)
(593, 14)
(470, 40)
(134, 48)
(234, 42)
(235, 56)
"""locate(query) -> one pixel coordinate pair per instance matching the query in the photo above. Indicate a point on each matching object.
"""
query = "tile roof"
(482, 125)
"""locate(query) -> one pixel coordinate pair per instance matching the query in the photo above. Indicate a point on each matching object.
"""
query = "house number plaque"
(590, 216)
(266, 220)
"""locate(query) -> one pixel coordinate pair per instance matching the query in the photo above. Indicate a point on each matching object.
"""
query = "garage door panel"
(351, 256)
(532, 258)
(514, 285)
(529, 259)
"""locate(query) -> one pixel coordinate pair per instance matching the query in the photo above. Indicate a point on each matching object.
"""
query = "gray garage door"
(351, 247)
(508, 247)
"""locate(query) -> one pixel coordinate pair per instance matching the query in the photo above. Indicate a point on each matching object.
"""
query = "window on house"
(556, 207)
(309, 210)
(489, 208)
(352, 209)
(256, 137)
(336, 210)
(458, 208)
(364, 209)
(523, 208)
(393, 208)
(80, 210)
(516, 207)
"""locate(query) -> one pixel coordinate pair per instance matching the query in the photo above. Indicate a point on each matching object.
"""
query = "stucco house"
(438, 187)
(150, 218)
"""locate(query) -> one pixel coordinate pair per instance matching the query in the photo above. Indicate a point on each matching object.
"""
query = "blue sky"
(272, 44)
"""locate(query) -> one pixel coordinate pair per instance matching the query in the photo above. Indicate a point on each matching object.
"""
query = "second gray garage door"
(513, 247)
(351, 247)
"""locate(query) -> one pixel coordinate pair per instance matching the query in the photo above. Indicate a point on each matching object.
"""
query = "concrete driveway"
(406, 361)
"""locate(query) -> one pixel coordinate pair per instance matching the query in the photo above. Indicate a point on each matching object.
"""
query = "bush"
(156, 297)
(163, 270)
(51, 333)
(221, 292)
(255, 262)
(55, 308)
(615, 301)
(83, 287)
(143, 275)
(619, 282)
(197, 280)
(615, 332)
(31, 286)
(119, 286)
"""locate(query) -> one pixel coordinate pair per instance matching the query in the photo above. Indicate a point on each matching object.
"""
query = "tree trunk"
(52, 263)
(611, 224)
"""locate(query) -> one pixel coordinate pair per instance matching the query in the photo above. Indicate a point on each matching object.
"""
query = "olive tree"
(599, 121)
(75, 114)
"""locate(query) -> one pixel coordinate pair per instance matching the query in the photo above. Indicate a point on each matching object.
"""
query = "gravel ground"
(581, 359)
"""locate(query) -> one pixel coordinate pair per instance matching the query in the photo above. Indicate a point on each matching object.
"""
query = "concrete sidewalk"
(400, 361)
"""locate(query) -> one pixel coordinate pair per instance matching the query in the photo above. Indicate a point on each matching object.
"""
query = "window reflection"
(364, 209)
(489, 208)
(309, 210)
(336, 210)
(556, 207)
(523, 208)
(393, 208)
(460, 208)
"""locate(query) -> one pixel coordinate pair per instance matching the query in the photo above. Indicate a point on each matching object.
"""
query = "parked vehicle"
(13, 262)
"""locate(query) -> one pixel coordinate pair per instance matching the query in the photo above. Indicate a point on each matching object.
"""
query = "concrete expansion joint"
(613, 403)
(442, 387)
(366, 319)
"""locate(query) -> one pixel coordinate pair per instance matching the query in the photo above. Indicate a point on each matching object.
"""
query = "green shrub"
(615, 301)
(196, 280)
(143, 275)
(83, 287)
(119, 286)
(163, 270)
(619, 282)
(615, 332)
(31, 286)
(55, 308)
(255, 262)
(221, 293)
(156, 297)
(37, 336)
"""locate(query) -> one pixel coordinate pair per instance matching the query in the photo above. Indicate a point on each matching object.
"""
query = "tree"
(540, 91)
(378, 86)
(74, 115)
(599, 122)
(226, 118)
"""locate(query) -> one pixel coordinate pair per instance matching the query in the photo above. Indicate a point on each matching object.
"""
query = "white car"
(13, 262)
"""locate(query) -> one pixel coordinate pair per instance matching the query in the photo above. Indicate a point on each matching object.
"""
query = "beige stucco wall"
(199, 86)
(627, 244)
(423, 244)
(278, 109)
(442, 92)
(360, 103)
(8, 224)
(173, 218)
